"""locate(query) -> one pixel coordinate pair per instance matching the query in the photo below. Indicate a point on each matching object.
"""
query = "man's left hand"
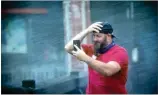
(79, 54)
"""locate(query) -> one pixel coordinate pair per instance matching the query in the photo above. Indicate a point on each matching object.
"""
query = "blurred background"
(33, 35)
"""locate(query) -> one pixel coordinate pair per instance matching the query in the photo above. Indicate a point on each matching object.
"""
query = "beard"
(98, 46)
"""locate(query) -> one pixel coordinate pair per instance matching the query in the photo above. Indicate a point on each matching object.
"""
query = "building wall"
(44, 58)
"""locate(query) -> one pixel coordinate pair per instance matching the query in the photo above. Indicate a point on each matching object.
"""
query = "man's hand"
(95, 27)
(79, 54)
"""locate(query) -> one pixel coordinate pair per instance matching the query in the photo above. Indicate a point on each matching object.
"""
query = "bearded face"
(99, 41)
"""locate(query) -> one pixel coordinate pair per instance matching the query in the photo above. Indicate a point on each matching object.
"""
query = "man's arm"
(106, 69)
(94, 27)
(80, 36)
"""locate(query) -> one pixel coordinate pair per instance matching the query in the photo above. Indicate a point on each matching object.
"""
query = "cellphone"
(77, 43)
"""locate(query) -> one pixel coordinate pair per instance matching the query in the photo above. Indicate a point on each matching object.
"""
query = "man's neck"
(106, 48)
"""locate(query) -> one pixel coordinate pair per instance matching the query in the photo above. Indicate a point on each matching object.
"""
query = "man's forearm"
(80, 36)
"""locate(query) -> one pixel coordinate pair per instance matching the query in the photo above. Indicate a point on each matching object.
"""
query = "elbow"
(66, 48)
(107, 73)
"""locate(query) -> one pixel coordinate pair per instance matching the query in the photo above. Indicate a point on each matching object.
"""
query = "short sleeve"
(86, 48)
(121, 57)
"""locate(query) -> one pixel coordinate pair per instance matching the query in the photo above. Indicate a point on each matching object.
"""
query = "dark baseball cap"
(107, 29)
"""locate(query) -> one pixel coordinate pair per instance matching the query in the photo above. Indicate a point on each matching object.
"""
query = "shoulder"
(87, 48)
(118, 48)
(119, 53)
(87, 45)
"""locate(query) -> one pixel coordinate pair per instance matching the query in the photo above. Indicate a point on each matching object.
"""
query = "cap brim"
(113, 36)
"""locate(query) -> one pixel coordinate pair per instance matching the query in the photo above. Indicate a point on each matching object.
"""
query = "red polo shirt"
(115, 84)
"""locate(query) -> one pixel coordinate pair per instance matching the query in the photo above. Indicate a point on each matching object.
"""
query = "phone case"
(77, 43)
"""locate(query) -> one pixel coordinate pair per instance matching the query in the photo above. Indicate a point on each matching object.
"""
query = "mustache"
(96, 42)
(98, 45)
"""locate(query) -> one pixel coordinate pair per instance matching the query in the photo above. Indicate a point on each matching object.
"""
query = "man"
(107, 62)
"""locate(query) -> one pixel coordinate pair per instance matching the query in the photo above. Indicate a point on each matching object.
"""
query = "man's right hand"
(95, 27)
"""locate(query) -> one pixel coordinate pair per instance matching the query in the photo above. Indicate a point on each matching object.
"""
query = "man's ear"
(109, 35)
(106, 35)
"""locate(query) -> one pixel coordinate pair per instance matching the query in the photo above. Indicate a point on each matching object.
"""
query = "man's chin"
(97, 46)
